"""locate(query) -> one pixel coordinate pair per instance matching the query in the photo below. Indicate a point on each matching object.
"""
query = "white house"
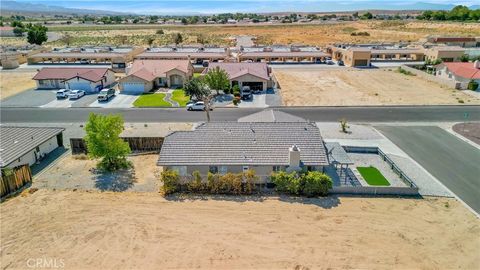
(91, 80)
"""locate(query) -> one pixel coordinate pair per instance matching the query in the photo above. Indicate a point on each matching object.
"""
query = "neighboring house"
(27, 145)
(91, 80)
(444, 53)
(462, 73)
(265, 147)
(146, 75)
(464, 42)
(6, 31)
(254, 75)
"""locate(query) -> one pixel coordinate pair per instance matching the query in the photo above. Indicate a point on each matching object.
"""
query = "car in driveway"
(340, 63)
(62, 93)
(197, 106)
(106, 94)
(76, 94)
(246, 93)
(330, 62)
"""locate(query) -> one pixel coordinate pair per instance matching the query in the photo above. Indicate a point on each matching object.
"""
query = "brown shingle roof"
(151, 69)
(235, 70)
(90, 74)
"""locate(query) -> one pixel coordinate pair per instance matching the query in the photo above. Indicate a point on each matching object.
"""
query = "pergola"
(339, 158)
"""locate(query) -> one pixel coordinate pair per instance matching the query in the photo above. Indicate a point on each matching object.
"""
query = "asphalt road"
(452, 161)
(317, 114)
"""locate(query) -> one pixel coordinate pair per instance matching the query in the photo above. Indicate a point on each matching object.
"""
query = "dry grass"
(320, 35)
(337, 87)
(91, 230)
(14, 82)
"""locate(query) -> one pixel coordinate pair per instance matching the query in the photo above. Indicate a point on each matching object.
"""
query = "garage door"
(133, 88)
(360, 63)
(254, 85)
(85, 86)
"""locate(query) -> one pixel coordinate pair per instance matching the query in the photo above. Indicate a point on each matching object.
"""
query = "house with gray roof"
(27, 145)
(265, 147)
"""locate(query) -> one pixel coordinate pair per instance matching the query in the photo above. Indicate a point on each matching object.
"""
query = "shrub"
(236, 90)
(472, 85)
(231, 183)
(160, 32)
(236, 101)
(406, 72)
(250, 179)
(196, 185)
(213, 183)
(316, 184)
(286, 182)
(170, 181)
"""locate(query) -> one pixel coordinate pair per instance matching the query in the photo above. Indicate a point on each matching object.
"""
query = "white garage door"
(80, 86)
(133, 88)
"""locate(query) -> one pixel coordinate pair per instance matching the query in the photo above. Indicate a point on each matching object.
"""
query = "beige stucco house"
(146, 75)
(444, 53)
(255, 75)
(90, 80)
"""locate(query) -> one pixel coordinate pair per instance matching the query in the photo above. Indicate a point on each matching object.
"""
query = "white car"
(63, 93)
(74, 94)
(197, 106)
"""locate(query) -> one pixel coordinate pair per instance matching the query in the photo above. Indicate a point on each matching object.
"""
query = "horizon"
(189, 7)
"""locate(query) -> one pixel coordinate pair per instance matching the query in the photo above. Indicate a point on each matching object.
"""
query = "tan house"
(146, 75)
(254, 75)
(90, 80)
(357, 57)
(444, 53)
(465, 42)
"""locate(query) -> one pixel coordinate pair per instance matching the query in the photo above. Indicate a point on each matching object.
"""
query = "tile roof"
(91, 74)
(236, 70)
(464, 70)
(183, 55)
(454, 39)
(18, 141)
(243, 143)
(271, 116)
(151, 69)
(85, 55)
(284, 54)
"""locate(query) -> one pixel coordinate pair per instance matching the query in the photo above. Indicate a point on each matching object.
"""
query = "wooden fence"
(15, 179)
(137, 144)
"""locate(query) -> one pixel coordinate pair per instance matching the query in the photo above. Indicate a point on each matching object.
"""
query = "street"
(316, 114)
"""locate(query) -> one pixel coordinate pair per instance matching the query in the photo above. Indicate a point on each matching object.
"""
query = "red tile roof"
(235, 70)
(151, 69)
(464, 70)
(90, 74)
(6, 28)
(454, 39)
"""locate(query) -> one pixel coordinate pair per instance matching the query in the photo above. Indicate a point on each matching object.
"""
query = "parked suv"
(62, 93)
(246, 93)
(106, 94)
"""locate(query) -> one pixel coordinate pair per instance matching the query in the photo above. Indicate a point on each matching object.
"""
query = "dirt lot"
(91, 230)
(72, 172)
(320, 34)
(12, 83)
(335, 87)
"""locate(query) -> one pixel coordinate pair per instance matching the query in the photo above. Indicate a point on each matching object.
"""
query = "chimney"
(476, 64)
(294, 156)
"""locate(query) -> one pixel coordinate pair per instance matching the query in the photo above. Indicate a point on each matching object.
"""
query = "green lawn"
(196, 75)
(180, 97)
(151, 100)
(373, 176)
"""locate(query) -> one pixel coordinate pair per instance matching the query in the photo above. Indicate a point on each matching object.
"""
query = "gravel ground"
(470, 131)
(356, 132)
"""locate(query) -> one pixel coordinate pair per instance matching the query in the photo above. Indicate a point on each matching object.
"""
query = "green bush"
(250, 179)
(213, 183)
(196, 185)
(286, 182)
(236, 101)
(236, 90)
(231, 183)
(472, 85)
(170, 181)
(316, 184)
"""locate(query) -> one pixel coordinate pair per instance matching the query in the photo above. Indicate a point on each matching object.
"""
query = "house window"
(213, 169)
(245, 168)
(310, 168)
(223, 169)
(41, 82)
(37, 149)
(182, 170)
(277, 168)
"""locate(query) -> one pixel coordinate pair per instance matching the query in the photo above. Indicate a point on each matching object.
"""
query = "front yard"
(180, 97)
(152, 100)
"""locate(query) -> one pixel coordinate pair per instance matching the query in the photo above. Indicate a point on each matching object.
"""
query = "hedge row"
(309, 184)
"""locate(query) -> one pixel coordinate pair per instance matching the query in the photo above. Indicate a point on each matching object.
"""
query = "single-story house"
(6, 31)
(27, 145)
(265, 147)
(255, 75)
(91, 80)
(462, 73)
(146, 75)
(444, 53)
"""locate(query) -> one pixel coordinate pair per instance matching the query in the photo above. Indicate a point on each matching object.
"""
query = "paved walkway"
(168, 98)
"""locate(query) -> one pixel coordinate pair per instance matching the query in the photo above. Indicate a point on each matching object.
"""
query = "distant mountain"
(39, 8)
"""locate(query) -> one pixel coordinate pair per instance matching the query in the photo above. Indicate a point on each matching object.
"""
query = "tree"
(160, 32)
(150, 41)
(177, 38)
(197, 89)
(344, 125)
(103, 141)
(217, 79)
(367, 16)
(464, 58)
(472, 85)
(37, 34)
(18, 31)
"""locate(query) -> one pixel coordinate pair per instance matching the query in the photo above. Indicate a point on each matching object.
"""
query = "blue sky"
(259, 6)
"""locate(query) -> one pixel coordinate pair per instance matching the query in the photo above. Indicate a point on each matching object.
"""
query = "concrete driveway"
(258, 101)
(29, 98)
(118, 101)
(452, 161)
(59, 103)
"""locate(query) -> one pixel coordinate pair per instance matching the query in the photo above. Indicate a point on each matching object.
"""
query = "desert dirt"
(90, 230)
(338, 87)
(14, 82)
